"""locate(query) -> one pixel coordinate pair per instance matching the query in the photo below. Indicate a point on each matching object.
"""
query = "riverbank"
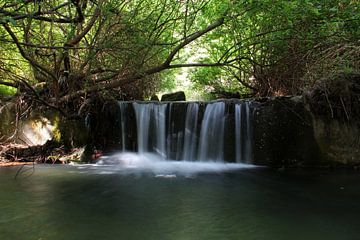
(12, 164)
(12, 154)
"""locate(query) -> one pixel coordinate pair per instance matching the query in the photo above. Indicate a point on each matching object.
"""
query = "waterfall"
(123, 106)
(169, 132)
(243, 132)
(159, 127)
(143, 117)
(191, 131)
(151, 125)
(238, 108)
(248, 141)
(211, 146)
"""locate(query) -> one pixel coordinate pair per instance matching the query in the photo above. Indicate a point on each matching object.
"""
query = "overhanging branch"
(23, 53)
(191, 38)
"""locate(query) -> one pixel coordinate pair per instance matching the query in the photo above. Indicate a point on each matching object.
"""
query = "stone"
(154, 98)
(176, 96)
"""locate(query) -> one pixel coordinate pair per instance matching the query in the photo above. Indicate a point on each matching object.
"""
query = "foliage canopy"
(61, 52)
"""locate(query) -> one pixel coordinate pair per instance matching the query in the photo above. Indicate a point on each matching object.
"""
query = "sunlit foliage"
(58, 51)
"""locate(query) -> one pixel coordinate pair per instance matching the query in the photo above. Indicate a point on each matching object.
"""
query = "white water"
(143, 124)
(190, 138)
(122, 106)
(159, 117)
(248, 141)
(211, 144)
(151, 125)
(137, 163)
(171, 134)
(169, 130)
(243, 131)
(199, 146)
(238, 125)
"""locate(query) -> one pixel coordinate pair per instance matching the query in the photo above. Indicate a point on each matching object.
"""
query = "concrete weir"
(272, 132)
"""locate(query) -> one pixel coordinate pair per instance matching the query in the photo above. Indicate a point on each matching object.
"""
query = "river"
(232, 202)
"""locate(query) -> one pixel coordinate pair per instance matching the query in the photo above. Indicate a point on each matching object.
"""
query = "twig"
(346, 113)
(330, 106)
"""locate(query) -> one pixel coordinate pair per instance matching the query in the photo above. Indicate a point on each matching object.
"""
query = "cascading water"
(238, 108)
(243, 133)
(159, 127)
(123, 106)
(151, 125)
(188, 131)
(211, 146)
(169, 131)
(248, 141)
(143, 117)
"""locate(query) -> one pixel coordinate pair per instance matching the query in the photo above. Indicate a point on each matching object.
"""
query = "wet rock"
(176, 96)
(154, 98)
(284, 134)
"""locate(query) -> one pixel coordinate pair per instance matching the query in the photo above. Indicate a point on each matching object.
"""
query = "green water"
(67, 202)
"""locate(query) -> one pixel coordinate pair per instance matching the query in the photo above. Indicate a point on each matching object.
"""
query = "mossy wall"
(338, 141)
(284, 134)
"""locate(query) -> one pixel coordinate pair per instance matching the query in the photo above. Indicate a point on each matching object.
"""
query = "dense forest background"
(59, 53)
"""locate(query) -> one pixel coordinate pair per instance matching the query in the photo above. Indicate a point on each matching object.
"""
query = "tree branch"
(196, 65)
(166, 65)
(23, 53)
(241, 81)
(191, 38)
(82, 34)
(40, 15)
(49, 47)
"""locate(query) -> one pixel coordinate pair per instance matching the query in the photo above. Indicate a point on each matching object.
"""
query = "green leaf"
(12, 21)
(8, 19)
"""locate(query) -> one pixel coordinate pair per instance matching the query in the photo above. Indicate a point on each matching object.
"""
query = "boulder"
(176, 96)
(154, 98)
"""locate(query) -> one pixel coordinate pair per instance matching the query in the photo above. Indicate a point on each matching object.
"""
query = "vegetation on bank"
(72, 56)
(59, 53)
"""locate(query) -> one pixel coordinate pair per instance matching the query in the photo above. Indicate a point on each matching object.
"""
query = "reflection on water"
(81, 202)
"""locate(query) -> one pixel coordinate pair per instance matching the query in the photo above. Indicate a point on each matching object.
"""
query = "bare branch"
(82, 34)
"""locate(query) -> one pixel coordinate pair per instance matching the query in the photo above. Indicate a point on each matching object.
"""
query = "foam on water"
(128, 162)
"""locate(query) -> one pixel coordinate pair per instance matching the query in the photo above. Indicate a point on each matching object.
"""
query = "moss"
(6, 91)
(56, 131)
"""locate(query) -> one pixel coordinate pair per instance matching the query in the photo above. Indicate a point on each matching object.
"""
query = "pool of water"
(111, 202)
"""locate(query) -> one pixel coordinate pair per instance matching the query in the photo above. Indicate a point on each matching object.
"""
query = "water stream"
(211, 146)
(189, 177)
(99, 202)
(207, 132)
